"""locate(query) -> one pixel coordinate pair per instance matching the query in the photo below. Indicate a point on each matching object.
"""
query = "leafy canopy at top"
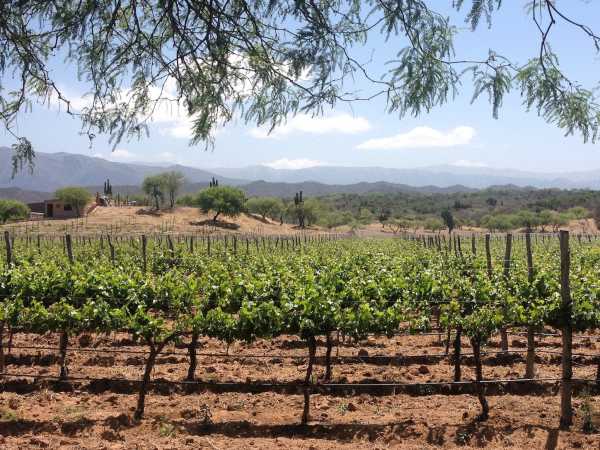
(226, 200)
(77, 197)
(265, 60)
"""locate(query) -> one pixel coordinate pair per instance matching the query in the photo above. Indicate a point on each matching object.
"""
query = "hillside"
(24, 195)
(55, 170)
(441, 176)
(179, 220)
(311, 188)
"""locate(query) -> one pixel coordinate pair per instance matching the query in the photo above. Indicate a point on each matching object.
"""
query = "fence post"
(507, 255)
(530, 363)
(8, 244)
(144, 253)
(69, 245)
(566, 412)
(488, 256)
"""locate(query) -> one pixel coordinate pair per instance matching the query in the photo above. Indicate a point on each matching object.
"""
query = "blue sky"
(362, 134)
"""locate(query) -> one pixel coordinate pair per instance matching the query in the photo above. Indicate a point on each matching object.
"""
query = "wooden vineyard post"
(64, 335)
(488, 256)
(144, 253)
(170, 246)
(457, 349)
(112, 249)
(566, 412)
(2, 361)
(8, 244)
(69, 245)
(473, 246)
(312, 348)
(507, 255)
(530, 363)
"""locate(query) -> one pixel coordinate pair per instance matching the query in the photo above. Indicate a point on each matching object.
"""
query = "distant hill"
(56, 170)
(263, 188)
(23, 195)
(440, 176)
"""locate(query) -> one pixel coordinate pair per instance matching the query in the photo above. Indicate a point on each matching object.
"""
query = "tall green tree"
(264, 61)
(77, 197)
(154, 186)
(448, 219)
(172, 183)
(226, 200)
(265, 206)
(12, 209)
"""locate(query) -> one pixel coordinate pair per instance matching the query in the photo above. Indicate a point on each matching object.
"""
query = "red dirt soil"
(76, 415)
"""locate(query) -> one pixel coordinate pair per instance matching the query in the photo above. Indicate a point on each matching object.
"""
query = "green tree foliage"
(267, 60)
(226, 200)
(383, 216)
(186, 200)
(499, 222)
(154, 186)
(433, 224)
(265, 206)
(398, 225)
(448, 219)
(172, 183)
(12, 209)
(577, 213)
(365, 216)
(334, 219)
(77, 197)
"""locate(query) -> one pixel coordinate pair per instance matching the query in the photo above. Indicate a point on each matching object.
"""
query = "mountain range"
(442, 176)
(56, 170)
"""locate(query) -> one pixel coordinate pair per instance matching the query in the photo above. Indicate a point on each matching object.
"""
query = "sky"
(363, 134)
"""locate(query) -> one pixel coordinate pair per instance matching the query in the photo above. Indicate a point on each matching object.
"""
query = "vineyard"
(304, 321)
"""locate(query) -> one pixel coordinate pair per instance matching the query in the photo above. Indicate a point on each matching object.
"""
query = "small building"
(54, 209)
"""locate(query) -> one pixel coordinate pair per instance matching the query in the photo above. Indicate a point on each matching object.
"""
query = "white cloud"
(304, 123)
(179, 129)
(123, 155)
(468, 163)
(166, 157)
(294, 164)
(422, 137)
(120, 154)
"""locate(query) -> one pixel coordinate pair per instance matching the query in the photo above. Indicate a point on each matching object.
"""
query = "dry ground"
(179, 220)
(583, 226)
(185, 219)
(98, 414)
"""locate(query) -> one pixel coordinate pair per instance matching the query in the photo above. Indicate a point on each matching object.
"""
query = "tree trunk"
(312, 346)
(141, 403)
(485, 408)
(327, 376)
(2, 362)
(457, 374)
(64, 342)
(530, 364)
(216, 215)
(191, 376)
(566, 409)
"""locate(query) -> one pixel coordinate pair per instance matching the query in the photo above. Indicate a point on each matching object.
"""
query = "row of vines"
(166, 290)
